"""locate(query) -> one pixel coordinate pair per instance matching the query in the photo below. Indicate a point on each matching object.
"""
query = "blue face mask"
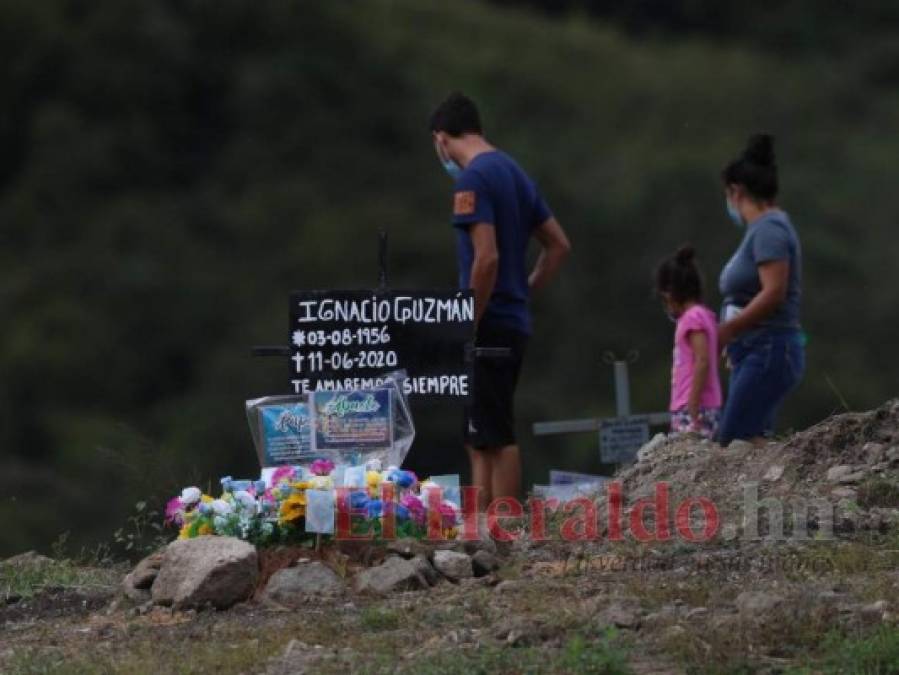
(453, 169)
(734, 214)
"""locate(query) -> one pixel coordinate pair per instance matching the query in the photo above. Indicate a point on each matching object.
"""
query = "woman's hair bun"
(760, 150)
(685, 254)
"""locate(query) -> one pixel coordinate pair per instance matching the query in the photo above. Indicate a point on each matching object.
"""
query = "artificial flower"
(403, 479)
(174, 512)
(190, 496)
(358, 500)
(448, 514)
(322, 467)
(373, 465)
(293, 508)
(221, 507)
(415, 507)
(375, 508)
(245, 500)
(283, 474)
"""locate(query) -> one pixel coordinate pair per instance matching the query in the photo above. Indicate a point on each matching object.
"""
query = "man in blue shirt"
(496, 210)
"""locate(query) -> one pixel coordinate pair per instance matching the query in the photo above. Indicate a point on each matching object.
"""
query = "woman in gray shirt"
(762, 293)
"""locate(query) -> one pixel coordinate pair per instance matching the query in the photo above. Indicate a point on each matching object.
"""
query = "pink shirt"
(698, 317)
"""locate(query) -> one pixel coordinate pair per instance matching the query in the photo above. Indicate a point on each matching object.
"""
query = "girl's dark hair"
(679, 276)
(755, 169)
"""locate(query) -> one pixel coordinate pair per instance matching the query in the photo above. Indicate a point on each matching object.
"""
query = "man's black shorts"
(490, 419)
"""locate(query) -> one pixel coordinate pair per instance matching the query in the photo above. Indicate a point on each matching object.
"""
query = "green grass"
(380, 619)
(875, 654)
(579, 655)
(25, 581)
(878, 492)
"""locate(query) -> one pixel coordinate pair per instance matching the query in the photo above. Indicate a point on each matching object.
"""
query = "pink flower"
(416, 508)
(283, 474)
(174, 510)
(322, 467)
(448, 514)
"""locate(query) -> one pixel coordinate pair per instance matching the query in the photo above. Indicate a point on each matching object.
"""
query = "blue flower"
(402, 513)
(374, 508)
(358, 500)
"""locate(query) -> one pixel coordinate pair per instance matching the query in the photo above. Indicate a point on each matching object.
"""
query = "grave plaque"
(620, 438)
(346, 340)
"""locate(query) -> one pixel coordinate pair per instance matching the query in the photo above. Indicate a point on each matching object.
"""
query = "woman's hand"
(726, 333)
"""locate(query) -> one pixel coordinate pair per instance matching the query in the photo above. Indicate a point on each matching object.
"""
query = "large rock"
(138, 582)
(619, 615)
(484, 563)
(293, 586)
(209, 570)
(410, 548)
(453, 565)
(28, 559)
(838, 474)
(394, 574)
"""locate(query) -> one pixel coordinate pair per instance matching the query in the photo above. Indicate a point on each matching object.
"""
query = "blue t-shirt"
(771, 237)
(493, 189)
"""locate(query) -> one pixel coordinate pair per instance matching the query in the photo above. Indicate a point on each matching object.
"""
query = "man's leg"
(506, 472)
(482, 475)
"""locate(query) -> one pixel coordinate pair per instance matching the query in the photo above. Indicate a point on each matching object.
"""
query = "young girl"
(695, 389)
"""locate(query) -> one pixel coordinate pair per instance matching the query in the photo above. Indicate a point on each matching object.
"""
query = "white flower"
(190, 496)
(373, 465)
(221, 508)
(245, 500)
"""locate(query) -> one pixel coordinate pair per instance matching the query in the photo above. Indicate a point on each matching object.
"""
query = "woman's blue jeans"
(766, 365)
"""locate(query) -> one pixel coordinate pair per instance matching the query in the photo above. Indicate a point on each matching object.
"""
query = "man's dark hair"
(755, 169)
(457, 115)
(679, 275)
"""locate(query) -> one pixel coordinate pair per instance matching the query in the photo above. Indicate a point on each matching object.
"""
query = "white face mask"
(450, 166)
(734, 213)
(453, 169)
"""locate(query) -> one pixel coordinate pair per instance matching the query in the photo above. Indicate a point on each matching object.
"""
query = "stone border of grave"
(215, 572)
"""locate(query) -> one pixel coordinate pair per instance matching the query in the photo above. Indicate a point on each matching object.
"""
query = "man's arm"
(556, 248)
(484, 266)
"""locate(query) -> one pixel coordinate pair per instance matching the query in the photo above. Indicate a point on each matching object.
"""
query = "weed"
(380, 619)
(878, 492)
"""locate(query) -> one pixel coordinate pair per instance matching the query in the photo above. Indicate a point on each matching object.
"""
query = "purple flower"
(174, 510)
(416, 508)
(322, 467)
(447, 514)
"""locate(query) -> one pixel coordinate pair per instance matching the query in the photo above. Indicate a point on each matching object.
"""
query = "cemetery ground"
(754, 598)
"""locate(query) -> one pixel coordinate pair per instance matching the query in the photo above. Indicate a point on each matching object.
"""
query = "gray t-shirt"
(771, 237)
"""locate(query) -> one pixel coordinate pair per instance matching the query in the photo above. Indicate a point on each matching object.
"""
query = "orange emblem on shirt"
(464, 203)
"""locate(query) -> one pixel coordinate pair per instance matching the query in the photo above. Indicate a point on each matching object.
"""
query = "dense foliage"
(170, 170)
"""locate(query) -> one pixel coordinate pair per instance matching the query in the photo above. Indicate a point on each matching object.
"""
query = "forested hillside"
(170, 170)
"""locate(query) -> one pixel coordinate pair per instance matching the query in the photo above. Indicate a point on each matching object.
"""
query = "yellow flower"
(373, 478)
(205, 528)
(206, 499)
(184, 533)
(293, 508)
